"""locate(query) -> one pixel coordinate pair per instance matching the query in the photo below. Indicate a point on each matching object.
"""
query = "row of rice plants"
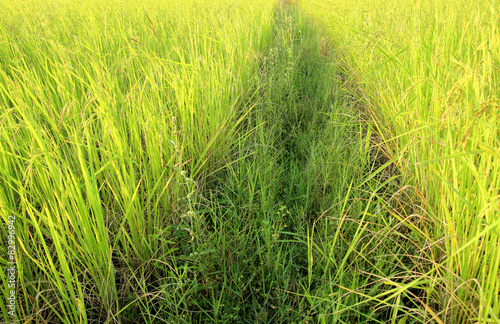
(429, 74)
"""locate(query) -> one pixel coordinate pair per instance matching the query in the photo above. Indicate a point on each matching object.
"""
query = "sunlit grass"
(221, 161)
(106, 107)
(429, 72)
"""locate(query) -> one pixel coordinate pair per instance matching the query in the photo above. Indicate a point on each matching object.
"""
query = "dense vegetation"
(251, 162)
(430, 70)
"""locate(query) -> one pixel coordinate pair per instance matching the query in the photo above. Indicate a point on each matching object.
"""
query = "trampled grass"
(227, 162)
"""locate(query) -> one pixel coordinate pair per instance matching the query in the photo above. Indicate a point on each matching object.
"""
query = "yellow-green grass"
(105, 109)
(429, 71)
(194, 162)
(206, 161)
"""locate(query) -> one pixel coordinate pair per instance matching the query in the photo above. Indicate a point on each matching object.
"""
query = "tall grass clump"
(428, 72)
(110, 114)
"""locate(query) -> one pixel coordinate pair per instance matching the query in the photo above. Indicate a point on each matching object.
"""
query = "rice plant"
(228, 161)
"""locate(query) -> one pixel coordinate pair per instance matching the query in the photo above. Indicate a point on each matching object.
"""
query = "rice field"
(250, 162)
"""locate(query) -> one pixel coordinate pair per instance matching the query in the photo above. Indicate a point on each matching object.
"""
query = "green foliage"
(429, 74)
(221, 162)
